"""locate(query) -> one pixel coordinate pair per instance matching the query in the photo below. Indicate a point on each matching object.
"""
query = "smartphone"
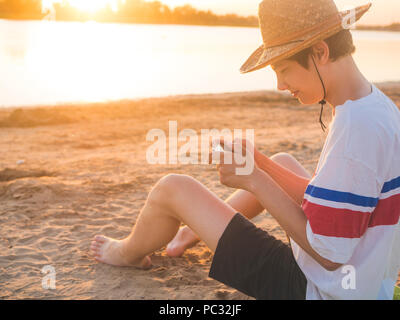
(218, 148)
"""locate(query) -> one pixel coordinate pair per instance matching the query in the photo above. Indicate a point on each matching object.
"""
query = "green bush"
(396, 295)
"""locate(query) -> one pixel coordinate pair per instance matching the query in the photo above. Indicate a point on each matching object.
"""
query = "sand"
(69, 172)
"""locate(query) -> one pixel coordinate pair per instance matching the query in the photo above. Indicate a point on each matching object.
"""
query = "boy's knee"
(173, 181)
(282, 156)
(169, 185)
(289, 162)
(169, 189)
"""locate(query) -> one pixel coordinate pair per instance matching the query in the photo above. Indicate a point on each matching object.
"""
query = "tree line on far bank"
(136, 11)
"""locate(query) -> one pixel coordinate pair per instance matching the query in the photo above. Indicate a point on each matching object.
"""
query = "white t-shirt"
(352, 203)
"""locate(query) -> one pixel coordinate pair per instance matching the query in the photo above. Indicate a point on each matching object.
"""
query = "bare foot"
(184, 239)
(110, 251)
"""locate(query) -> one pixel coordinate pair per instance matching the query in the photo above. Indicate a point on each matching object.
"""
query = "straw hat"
(288, 27)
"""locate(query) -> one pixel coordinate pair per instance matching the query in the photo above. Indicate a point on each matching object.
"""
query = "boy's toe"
(100, 239)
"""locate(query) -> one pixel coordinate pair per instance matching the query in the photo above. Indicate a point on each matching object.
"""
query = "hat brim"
(262, 57)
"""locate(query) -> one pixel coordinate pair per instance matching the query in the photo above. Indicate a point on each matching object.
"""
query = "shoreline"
(273, 94)
(393, 27)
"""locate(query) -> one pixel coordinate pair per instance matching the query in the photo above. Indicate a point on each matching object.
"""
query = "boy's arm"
(287, 213)
(295, 186)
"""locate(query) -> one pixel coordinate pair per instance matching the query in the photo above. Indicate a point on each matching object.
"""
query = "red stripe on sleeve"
(387, 212)
(333, 222)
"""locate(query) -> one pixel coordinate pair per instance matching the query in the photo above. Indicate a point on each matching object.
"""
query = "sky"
(382, 12)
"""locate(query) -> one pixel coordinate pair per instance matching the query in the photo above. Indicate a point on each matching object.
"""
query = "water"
(45, 62)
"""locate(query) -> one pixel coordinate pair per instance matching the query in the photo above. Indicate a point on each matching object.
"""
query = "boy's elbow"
(331, 266)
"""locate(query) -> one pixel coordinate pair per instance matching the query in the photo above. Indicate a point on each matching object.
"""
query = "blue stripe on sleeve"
(343, 197)
(390, 185)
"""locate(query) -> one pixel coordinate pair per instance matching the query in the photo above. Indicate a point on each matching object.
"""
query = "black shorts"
(252, 261)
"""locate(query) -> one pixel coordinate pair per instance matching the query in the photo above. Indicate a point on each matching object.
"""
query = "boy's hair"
(340, 45)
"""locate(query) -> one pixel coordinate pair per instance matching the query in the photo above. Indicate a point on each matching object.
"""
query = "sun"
(90, 6)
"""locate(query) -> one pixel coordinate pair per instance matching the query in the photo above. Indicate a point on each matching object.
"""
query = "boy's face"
(304, 84)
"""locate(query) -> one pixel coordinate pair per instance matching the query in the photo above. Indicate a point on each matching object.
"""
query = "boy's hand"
(236, 165)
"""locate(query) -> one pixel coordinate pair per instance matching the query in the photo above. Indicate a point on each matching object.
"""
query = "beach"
(69, 172)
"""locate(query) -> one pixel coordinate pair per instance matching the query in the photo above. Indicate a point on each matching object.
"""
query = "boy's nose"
(282, 85)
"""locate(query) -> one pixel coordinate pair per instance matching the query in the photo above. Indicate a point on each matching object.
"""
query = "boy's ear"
(320, 52)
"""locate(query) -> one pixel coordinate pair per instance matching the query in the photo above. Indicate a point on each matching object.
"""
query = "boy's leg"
(241, 201)
(174, 199)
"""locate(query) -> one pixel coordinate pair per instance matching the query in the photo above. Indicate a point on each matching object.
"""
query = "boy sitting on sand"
(343, 219)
